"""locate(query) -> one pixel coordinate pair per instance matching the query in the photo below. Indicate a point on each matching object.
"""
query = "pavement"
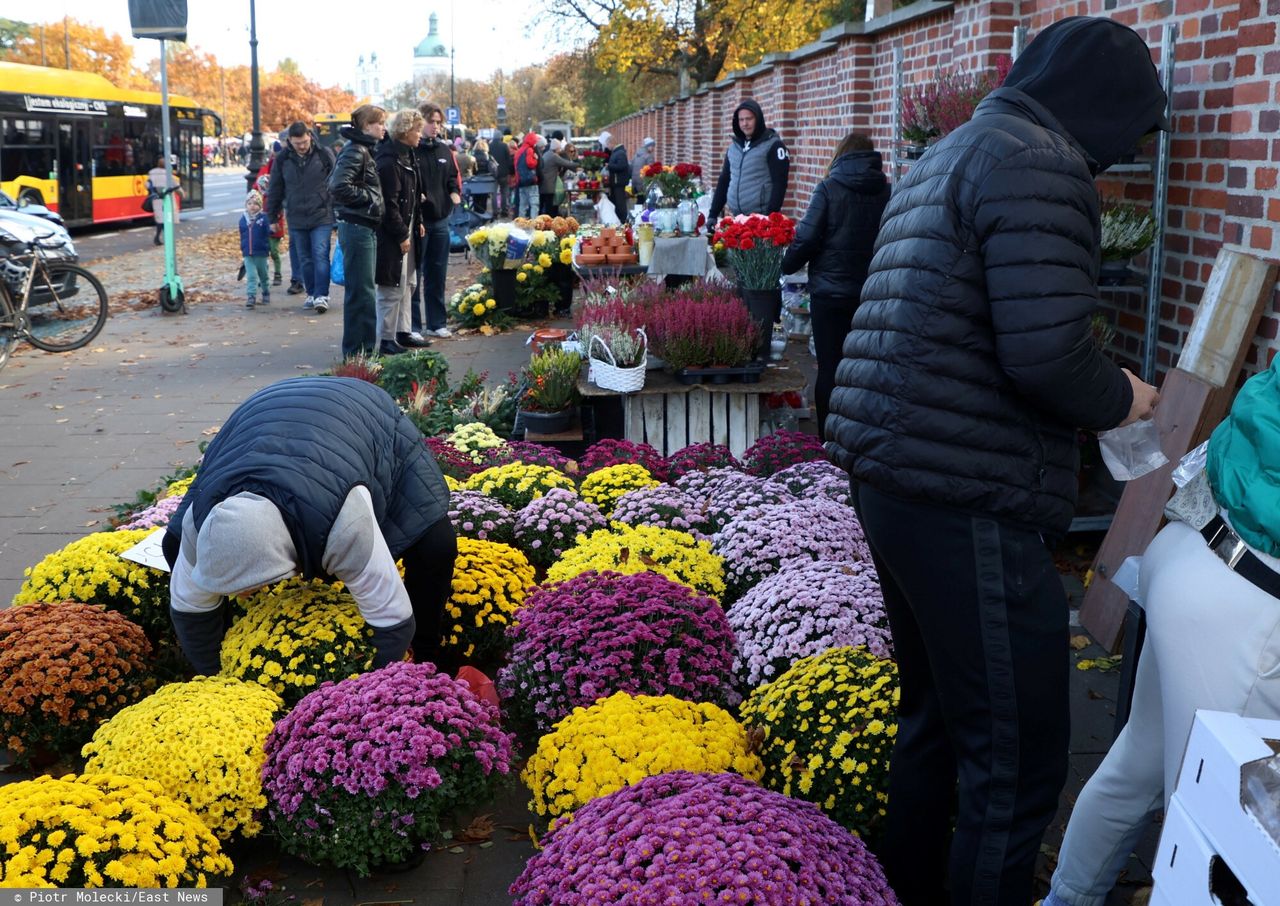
(83, 431)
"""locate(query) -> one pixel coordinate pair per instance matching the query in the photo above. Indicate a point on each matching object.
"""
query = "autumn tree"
(11, 31)
(92, 50)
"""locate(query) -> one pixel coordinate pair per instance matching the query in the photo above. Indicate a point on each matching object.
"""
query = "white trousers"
(393, 302)
(1213, 642)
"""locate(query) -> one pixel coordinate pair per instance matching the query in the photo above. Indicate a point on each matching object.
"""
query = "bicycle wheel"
(8, 325)
(67, 307)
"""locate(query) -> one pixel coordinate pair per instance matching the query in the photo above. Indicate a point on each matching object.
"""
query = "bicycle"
(59, 307)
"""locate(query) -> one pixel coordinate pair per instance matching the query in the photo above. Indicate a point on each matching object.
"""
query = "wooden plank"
(633, 418)
(654, 424)
(699, 416)
(720, 419)
(753, 419)
(1190, 408)
(737, 422)
(677, 422)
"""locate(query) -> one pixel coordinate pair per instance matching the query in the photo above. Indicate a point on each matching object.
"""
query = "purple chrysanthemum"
(612, 452)
(452, 461)
(814, 479)
(601, 633)
(530, 453)
(480, 516)
(775, 452)
(664, 506)
(154, 516)
(761, 540)
(806, 608)
(361, 771)
(549, 525)
(693, 838)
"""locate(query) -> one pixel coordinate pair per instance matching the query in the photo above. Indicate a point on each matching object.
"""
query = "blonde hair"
(481, 145)
(404, 122)
(367, 114)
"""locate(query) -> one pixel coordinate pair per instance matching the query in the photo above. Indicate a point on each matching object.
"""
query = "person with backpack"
(440, 189)
(527, 179)
(485, 166)
(299, 186)
(357, 204)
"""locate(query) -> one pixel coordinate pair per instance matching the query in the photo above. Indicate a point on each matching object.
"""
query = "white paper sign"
(148, 552)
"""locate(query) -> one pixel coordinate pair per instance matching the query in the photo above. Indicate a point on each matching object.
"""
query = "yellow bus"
(81, 146)
(327, 126)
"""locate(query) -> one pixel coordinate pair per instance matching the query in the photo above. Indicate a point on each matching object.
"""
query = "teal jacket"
(1244, 461)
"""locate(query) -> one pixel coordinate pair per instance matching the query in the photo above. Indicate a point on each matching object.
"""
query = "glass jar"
(664, 220)
(687, 216)
(653, 198)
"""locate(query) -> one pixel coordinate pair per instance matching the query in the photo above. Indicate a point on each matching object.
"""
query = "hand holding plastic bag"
(1132, 451)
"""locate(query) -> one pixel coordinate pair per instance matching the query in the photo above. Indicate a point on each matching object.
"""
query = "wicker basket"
(608, 376)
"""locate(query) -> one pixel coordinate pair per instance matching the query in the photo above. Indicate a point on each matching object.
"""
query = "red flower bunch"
(594, 161)
(754, 244)
(653, 169)
(687, 171)
(679, 181)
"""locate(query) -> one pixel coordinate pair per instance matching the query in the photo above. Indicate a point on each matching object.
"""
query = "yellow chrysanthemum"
(202, 741)
(517, 483)
(478, 309)
(628, 549)
(604, 486)
(115, 831)
(544, 260)
(622, 739)
(490, 304)
(490, 581)
(473, 439)
(522, 276)
(829, 723)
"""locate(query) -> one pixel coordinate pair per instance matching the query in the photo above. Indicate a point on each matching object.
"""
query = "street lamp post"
(257, 147)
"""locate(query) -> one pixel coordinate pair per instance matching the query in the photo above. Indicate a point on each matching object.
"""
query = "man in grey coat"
(643, 158)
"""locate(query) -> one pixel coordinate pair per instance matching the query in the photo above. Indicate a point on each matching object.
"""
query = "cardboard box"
(1189, 870)
(1211, 790)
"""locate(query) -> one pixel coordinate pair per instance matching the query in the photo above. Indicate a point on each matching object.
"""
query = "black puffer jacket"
(969, 364)
(838, 232)
(357, 194)
(300, 185)
(398, 176)
(304, 444)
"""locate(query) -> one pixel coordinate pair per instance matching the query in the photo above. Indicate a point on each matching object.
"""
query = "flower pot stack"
(691, 651)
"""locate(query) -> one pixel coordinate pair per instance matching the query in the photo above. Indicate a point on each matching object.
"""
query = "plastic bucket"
(545, 335)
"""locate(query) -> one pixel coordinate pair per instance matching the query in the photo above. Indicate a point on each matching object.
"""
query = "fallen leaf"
(61, 421)
(209, 432)
(1095, 695)
(1080, 642)
(56, 406)
(457, 850)
(27, 462)
(480, 829)
(90, 524)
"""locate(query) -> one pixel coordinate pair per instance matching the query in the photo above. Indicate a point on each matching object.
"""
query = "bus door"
(191, 163)
(75, 171)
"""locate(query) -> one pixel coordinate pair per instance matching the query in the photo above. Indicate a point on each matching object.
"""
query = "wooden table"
(670, 416)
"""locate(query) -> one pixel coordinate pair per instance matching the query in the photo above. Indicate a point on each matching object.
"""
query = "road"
(224, 193)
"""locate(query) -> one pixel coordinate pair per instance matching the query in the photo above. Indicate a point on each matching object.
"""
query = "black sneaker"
(295, 288)
(277, 280)
(412, 340)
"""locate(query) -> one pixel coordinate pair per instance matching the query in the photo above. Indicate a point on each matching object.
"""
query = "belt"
(1236, 554)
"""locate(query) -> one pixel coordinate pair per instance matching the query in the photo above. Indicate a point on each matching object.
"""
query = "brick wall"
(1225, 155)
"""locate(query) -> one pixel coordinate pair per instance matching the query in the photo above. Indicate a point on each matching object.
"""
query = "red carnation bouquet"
(754, 244)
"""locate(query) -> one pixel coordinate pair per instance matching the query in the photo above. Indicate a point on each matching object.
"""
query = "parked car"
(17, 227)
(35, 210)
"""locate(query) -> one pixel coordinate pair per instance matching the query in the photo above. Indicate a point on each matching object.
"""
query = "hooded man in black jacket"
(836, 239)
(756, 167)
(967, 371)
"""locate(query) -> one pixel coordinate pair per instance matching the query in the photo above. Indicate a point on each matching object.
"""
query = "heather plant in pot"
(705, 330)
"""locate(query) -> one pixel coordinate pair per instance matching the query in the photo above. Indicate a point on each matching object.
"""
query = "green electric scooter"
(172, 297)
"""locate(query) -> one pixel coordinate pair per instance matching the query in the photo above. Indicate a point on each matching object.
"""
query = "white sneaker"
(440, 332)
(322, 304)
(309, 304)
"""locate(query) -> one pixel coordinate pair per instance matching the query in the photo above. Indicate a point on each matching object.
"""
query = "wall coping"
(812, 49)
(910, 13)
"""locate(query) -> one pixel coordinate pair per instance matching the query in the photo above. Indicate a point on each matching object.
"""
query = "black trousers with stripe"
(979, 621)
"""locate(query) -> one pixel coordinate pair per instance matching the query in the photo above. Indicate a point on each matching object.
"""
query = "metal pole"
(1019, 41)
(165, 137)
(66, 43)
(1159, 205)
(257, 147)
(222, 139)
(895, 104)
(453, 52)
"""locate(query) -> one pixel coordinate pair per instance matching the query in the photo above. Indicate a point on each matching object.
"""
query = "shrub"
(362, 772)
(780, 450)
(529, 453)
(624, 549)
(604, 486)
(700, 457)
(517, 483)
(454, 463)
(480, 516)
(713, 329)
(806, 480)
(551, 524)
(614, 452)
(490, 581)
(63, 669)
(600, 633)
(662, 506)
(420, 366)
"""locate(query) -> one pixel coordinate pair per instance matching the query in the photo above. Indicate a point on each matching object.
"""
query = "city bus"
(76, 143)
(327, 126)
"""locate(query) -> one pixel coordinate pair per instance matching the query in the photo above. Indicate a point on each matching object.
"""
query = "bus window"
(27, 149)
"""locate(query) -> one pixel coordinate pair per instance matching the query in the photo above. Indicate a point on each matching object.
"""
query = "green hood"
(1244, 461)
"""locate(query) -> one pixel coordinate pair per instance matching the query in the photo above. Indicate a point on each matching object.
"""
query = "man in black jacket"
(300, 185)
(501, 155)
(967, 371)
(441, 188)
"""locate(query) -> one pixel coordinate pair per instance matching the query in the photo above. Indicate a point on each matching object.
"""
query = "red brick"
(1245, 206)
(1269, 121)
(1260, 238)
(1215, 174)
(1251, 93)
(1267, 328)
(1261, 35)
(1217, 98)
(1249, 149)
(1246, 65)
(1220, 47)
(1273, 210)
(1265, 178)
(1271, 63)
(1237, 177)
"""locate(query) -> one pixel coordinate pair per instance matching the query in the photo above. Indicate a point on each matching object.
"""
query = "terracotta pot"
(592, 260)
(607, 233)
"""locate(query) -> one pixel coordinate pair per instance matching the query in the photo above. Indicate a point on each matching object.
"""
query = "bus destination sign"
(39, 104)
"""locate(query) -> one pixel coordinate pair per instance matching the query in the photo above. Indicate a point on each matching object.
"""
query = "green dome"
(431, 46)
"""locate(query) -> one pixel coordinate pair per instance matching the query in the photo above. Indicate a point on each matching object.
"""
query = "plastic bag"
(337, 273)
(1191, 465)
(1132, 451)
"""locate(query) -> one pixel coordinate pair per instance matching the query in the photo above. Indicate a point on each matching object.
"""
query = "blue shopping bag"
(337, 273)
